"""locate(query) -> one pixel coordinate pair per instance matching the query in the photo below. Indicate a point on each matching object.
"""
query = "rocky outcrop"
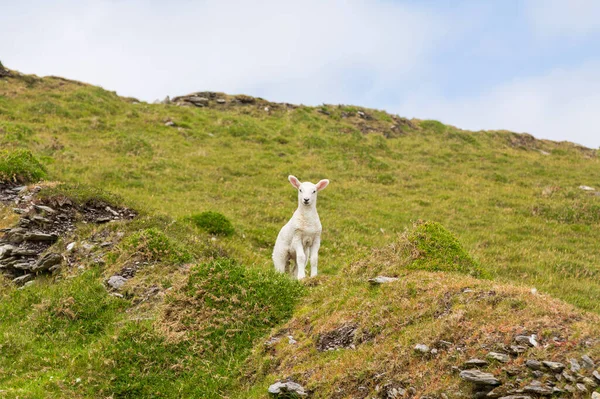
(25, 248)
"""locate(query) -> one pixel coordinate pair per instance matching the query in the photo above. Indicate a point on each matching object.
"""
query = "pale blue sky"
(522, 65)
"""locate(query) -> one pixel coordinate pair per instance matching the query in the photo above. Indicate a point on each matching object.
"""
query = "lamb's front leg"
(314, 256)
(300, 261)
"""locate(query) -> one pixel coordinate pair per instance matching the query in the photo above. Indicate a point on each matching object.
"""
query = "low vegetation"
(201, 313)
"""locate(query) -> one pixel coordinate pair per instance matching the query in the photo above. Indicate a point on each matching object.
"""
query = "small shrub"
(433, 248)
(213, 222)
(20, 166)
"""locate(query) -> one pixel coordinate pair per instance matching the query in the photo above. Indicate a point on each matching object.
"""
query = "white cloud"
(560, 105)
(571, 18)
(291, 50)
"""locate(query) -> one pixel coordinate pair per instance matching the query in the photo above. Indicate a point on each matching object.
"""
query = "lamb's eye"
(300, 190)
(314, 191)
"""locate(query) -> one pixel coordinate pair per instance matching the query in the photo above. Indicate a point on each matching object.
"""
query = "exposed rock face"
(23, 247)
(342, 337)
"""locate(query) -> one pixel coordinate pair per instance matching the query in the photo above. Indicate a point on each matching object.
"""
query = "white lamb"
(300, 238)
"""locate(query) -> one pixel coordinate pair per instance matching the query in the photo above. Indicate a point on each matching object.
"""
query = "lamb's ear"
(322, 184)
(295, 182)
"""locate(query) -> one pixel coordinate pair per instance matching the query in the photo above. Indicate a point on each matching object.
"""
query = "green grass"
(20, 166)
(213, 222)
(497, 208)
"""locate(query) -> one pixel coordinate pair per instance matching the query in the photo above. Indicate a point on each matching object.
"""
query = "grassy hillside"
(510, 203)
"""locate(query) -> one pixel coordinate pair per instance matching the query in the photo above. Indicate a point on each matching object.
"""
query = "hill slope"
(513, 202)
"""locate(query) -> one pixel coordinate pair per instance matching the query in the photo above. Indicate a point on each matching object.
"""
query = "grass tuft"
(20, 166)
(433, 248)
(213, 223)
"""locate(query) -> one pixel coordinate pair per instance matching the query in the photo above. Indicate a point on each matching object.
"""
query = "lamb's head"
(307, 192)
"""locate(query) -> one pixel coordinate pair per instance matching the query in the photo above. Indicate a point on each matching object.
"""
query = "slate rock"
(116, 282)
(6, 250)
(596, 375)
(526, 340)
(575, 367)
(476, 363)
(587, 361)
(501, 357)
(382, 280)
(23, 279)
(286, 388)
(539, 388)
(554, 366)
(479, 378)
(595, 395)
(37, 236)
(533, 364)
(46, 262)
(421, 348)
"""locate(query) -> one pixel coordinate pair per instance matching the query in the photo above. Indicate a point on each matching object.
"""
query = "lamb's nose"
(306, 200)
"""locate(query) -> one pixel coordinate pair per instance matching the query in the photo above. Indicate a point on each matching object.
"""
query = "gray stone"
(15, 235)
(595, 395)
(289, 387)
(537, 387)
(569, 388)
(554, 366)
(46, 262)
(421, 348)
(501, 357)
(581, 388)
(479, 378)
(170, 123)
(533, 364)
(221, 100)
(39, 236)
(46, 209)
(537, 373)
(382, 280)
(516, 397)
(116, 282)
(197, 101)
(517, 349)
(6, 250)
(589, 382)
(526, 340)
(476, 363)
(596, 375)
(23, 279)
(568, 377)
(587, 361)
(575, 367)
